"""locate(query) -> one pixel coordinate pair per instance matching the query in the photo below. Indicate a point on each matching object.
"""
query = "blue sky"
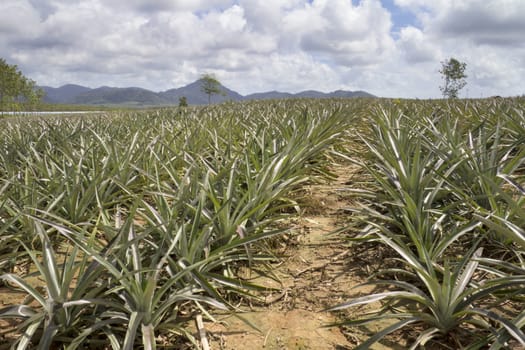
(390, 48)
(401, 17)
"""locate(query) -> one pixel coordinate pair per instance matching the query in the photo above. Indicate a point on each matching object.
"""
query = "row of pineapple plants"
(446, 194)
(118, 228)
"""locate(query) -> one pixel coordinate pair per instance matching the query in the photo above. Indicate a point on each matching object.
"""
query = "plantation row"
(446, 194)
(120, 228)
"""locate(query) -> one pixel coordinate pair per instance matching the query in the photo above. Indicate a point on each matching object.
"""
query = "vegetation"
(183, 102)
(210, 86)
(446, 196)
(134, 222)
(121, 227)
(16, 91)
(453, 72)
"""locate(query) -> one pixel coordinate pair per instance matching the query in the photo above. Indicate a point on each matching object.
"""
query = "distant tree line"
(16, 91)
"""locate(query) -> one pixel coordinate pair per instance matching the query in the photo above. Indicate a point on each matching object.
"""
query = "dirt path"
(316, 273)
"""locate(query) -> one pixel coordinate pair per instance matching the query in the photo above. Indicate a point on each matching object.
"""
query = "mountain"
(307, 94)
(63, 94)
(347, 94)
(195, 96)
(311, 94)
(113, 96)
(271, 95)
(134, 96)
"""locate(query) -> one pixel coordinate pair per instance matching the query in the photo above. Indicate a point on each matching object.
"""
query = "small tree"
(453, 72)
(210, 86)
(183, 101)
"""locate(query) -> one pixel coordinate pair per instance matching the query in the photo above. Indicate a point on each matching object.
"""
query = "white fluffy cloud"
(347, 34)
(415, 47)
(257, 45)
(17, 18)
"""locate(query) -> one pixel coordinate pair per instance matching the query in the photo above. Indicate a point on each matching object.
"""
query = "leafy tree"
(16, 89)
(453, 72)
(210, 86)
(183, 101)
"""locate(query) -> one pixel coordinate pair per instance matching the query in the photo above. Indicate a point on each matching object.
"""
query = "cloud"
(415, 47)
(255, 45)
(489, 22)
(151, 7)
(267, 16)
(347, 34)
(292, 72)
(18, 19)
(486, 34)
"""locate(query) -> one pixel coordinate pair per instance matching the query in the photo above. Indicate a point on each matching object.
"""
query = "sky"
(390, 48)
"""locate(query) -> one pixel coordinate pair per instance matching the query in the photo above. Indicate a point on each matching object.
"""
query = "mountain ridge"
(136, 96)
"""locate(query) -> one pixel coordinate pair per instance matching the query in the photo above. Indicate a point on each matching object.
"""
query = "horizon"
(388, 48)
(175, 88)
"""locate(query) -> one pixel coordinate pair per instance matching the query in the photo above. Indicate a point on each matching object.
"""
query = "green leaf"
(510, 327)
(17, 311)
(384, 332)
(135, 321)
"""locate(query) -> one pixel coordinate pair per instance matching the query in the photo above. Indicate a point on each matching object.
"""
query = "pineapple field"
(293, 224)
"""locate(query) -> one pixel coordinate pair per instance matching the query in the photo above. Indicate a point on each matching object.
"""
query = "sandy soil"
(318, 270)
